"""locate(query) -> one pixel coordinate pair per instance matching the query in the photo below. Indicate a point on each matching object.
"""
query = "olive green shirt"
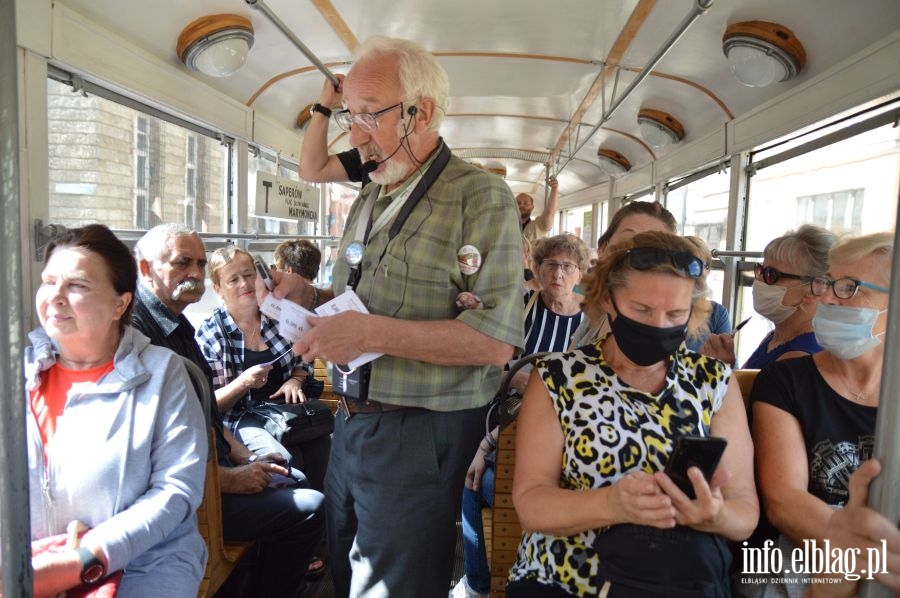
(417, 276)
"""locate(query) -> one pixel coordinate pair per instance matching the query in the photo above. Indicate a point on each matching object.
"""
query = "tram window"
(113, 164)
(337, 199)
(580, 222)
(700, 208)
(260, 161)
(848, 187)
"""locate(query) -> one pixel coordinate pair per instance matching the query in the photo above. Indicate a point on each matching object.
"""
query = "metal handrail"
(700, 8)
(294, 39)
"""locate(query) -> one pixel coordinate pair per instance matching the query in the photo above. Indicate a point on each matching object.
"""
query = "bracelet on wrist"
(490, 441)
(253, 457)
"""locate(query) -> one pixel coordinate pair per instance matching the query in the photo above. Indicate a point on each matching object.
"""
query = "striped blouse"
(546, 330)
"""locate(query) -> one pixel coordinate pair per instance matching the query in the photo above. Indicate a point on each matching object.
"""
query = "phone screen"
(263, 271)
(703, 452)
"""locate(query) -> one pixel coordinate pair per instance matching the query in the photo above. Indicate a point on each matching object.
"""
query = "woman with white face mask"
(781, 293)
(814, 417)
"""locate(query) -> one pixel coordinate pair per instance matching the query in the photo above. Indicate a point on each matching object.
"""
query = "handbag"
(681, 562)
(296, 423)
(105, 588)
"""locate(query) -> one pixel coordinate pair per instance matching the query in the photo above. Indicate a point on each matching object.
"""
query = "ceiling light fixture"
(216, 45)
(658, 128)
(612, 162)
(762, 53)
(304, 117)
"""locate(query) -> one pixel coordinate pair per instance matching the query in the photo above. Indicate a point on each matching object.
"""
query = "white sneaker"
(462, 590)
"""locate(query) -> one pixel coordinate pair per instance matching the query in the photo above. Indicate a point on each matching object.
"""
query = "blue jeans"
(478, 574)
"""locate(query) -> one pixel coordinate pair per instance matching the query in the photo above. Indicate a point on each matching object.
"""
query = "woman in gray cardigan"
(116, 435)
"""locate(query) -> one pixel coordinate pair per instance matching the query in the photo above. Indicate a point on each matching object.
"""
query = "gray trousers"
(393, 493)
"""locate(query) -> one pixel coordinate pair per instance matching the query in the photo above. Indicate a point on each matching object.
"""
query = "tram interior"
(113, 127)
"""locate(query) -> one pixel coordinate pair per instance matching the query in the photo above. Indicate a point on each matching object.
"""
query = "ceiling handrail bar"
(700, 8)
(296, 40)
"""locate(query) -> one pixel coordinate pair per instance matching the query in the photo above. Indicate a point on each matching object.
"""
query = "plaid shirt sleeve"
(278, 346)
(212, 345)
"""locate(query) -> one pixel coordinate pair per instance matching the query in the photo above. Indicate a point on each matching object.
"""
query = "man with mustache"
(429, 227)
(287, 522)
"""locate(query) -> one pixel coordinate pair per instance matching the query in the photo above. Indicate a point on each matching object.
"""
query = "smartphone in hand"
(263, 271)
(703, 452)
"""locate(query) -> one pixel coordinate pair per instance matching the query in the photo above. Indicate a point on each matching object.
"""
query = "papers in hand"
(293, 318)
(348, 301)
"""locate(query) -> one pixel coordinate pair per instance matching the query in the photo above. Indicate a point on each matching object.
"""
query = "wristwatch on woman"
(92, 568)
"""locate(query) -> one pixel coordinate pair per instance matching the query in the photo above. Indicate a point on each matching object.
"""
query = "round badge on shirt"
(353, 253)
(469, 259)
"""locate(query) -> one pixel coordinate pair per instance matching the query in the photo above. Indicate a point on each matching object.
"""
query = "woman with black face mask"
(598, 425)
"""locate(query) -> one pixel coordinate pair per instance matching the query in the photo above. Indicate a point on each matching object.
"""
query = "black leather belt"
(352, 407)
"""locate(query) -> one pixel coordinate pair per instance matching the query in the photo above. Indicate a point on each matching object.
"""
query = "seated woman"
(116, 435)
(814, 416)
(598, 425)
(781, 293)
(551, 316)
(252, 364)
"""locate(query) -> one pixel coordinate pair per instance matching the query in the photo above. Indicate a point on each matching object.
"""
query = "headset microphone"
(371, 166)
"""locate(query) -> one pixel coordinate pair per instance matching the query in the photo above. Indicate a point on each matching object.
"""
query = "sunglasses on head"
(648, 258)
(770, 275)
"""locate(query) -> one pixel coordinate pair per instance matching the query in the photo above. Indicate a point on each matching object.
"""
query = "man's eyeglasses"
(770, 275)
(367, 121)
(843, 288)
(567, 268)
(647, 258)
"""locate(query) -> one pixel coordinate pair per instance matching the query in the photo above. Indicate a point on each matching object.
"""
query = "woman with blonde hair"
(598, 425)
(814, 416)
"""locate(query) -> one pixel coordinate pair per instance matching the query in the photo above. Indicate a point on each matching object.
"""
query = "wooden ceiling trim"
(337, 23)
(287, 74)
(635, 21)
(514, 55)
(705, 90)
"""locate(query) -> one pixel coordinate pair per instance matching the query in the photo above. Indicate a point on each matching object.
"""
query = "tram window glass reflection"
(113, 164)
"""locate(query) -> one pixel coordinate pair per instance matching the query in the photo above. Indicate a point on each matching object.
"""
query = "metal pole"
(14, 519)
(700, 7)
(885, 492)
(296, 40)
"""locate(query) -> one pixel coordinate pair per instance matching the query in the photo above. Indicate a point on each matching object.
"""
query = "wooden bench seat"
(223, 556)
(505, 528)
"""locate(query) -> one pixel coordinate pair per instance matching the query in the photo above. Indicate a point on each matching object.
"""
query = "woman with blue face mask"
(814, 417)
(782, 295)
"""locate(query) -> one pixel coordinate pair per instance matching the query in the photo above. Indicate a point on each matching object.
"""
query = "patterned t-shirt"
(839, 434)
(612, 429)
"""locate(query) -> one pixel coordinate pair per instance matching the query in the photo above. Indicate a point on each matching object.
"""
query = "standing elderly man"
(540, 226)
(287, 522)
(430, 227)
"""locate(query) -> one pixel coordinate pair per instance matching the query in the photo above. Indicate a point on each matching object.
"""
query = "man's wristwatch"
(92, 568)
(323, 110)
